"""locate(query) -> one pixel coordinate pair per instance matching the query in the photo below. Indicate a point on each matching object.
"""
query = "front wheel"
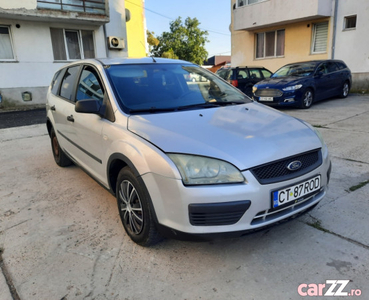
(345, 90)
(307, 99)
(134, 209)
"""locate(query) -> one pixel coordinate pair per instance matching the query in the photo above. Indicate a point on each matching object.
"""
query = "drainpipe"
(334, 27)
(106, 42)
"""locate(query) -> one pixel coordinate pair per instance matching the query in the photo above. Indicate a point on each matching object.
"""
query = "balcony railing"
(247, 2)
(87, 6)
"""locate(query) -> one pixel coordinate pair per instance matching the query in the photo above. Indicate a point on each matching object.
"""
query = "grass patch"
(358, 186)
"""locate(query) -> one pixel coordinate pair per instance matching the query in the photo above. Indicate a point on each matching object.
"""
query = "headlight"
(292, 88)
(254, 89)
(203, 170)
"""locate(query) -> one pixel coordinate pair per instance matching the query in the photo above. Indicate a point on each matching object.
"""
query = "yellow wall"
(298, 37)
(136, 29)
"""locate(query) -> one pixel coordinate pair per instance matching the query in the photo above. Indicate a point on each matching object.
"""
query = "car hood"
(245, 135)
(278, 82)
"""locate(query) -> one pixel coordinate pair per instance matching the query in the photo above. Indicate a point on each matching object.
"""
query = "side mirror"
(88, 106)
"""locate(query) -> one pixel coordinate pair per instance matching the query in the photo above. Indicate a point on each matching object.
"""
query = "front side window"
(270, 44)
(72, 44)
(6, 48)
(89, 86)
(320, 38)
(168, 87)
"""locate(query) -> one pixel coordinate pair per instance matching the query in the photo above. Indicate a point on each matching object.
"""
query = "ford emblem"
(294, 166)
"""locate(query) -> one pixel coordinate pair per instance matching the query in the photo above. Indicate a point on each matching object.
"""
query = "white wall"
(14, 4)
(34, 63)
(352, 46)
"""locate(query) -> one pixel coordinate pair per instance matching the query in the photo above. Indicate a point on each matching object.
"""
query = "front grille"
(215, 214)
(268, 93)
(277, 171)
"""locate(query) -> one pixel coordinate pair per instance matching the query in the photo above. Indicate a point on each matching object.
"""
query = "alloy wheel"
(130, 207)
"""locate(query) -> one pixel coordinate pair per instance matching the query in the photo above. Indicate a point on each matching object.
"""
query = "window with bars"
(88, 6)
(6, 47)
(270, 44)
(320, 38)
(72, 44)
(350, 22)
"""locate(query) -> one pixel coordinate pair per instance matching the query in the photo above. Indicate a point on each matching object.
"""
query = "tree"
(186, 41)
(151, 40)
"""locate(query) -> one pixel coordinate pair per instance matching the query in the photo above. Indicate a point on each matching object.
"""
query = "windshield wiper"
(200, 105)
(152, 110)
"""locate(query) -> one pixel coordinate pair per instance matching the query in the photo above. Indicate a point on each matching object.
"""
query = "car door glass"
(332, 67)
(68, 83)
(266, 73)
(89, 86)
(322, 69)
(254, 73)
(242, 74)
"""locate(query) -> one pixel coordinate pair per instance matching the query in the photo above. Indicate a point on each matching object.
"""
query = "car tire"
(307, 99)
(61, 159)
(345, 89)
(134, 209)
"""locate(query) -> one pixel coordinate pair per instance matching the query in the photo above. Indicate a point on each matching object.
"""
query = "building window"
(320, 38)
(247, 2)
(350, 22)
(6, 48)
(72, 44)
(92, 7)
(270, 44)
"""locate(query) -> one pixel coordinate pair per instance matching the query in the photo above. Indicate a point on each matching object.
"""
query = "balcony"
(256, 14)
(89, 12)
(92, 7)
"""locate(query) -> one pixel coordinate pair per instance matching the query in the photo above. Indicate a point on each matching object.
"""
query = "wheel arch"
(116, 162)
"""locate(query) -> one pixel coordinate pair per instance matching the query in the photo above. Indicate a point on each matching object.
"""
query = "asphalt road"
(22, 118)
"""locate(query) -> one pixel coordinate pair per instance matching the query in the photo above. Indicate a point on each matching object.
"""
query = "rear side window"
(68, 83)
(255, 73)
(242, 74)
(55, 83)
(332, 67)
(223, 74)
(341, 65)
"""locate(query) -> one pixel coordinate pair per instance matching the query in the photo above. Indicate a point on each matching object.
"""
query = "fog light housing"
(289, 100)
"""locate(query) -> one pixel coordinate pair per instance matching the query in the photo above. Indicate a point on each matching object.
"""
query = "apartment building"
(39, 36)
(273, 33)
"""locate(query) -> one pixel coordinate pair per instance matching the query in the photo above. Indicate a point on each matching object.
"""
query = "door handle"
(53, 108)
(70, 118)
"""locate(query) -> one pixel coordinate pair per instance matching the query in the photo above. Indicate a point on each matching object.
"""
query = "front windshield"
(299, 70)
(154, 87)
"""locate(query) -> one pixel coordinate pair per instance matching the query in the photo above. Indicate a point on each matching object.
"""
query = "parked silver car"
(183, 159)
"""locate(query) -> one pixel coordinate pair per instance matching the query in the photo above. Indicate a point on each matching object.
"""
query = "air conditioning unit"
(115, 42)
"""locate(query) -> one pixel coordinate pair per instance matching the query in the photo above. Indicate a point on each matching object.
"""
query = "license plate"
(266, 98)
(295, 192)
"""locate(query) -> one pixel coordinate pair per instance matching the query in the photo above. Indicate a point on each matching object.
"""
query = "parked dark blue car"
(301, 84)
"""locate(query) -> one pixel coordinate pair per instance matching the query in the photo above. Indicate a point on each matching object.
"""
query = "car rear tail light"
(234, 83)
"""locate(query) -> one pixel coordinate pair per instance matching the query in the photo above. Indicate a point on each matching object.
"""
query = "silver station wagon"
(185, 159)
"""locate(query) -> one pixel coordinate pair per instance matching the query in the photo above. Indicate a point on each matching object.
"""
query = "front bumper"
(173, 203)
(290, 98)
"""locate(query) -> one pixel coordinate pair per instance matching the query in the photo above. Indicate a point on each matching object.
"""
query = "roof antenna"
(153, 59)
